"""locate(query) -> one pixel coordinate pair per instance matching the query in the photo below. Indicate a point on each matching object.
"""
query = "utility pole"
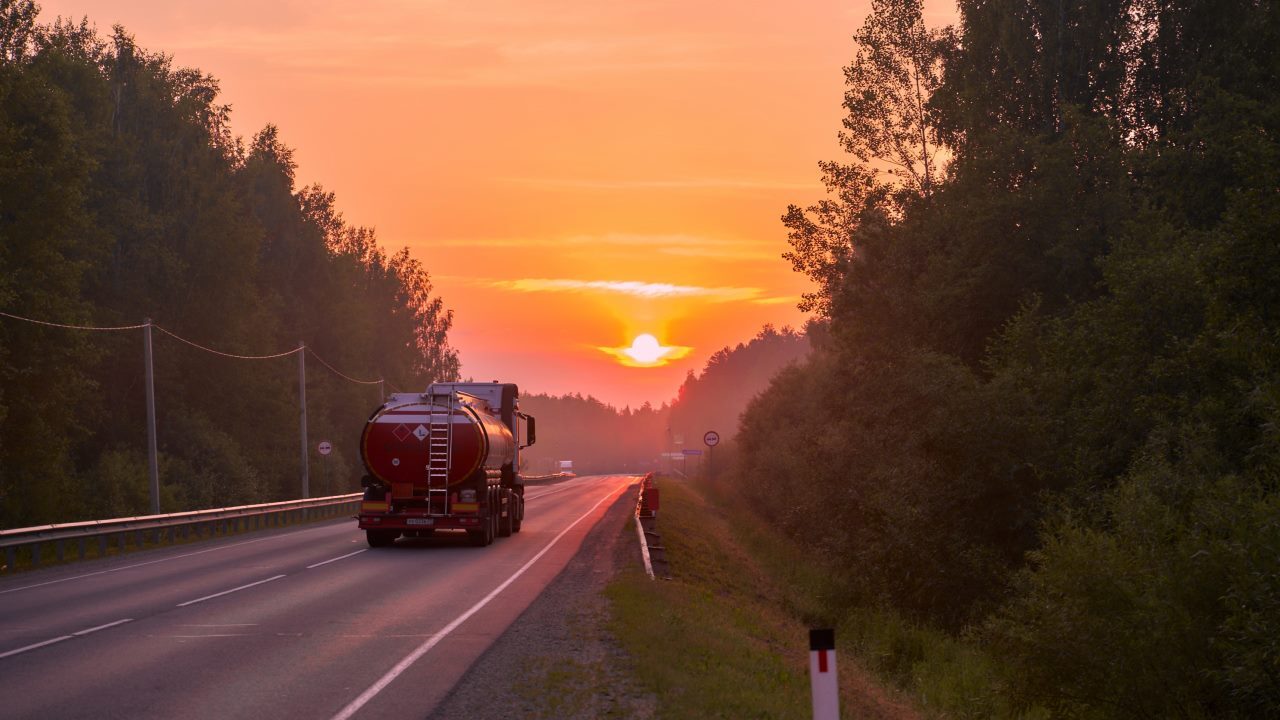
(302, 413)
(153, 464)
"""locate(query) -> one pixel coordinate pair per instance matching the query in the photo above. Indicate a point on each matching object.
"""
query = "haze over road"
(301, 623)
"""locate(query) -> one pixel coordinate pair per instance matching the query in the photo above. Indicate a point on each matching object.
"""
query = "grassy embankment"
(727, 637)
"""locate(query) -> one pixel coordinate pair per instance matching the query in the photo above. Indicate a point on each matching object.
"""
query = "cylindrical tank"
(401, 439)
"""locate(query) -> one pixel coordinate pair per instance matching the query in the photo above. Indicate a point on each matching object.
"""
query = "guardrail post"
(10, 558)
(35, 554)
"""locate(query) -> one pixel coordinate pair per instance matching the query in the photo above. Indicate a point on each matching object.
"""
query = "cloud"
(786, 300)
(645, 290)
(676, 245)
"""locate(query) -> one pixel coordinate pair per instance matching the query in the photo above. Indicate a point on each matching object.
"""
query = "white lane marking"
(569, 485)
(82, 633)
(573, 484)
(60, 638)
(153, 562)
(549, 492)
(37, 645)
(354, 706)
(340, 557)
(228, 592)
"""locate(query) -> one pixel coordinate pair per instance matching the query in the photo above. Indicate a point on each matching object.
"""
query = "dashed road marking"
(228, 592)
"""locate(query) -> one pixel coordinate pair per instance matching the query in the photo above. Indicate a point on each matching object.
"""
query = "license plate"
(420, 521)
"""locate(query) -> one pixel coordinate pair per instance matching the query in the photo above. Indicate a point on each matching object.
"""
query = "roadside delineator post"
(822, 674)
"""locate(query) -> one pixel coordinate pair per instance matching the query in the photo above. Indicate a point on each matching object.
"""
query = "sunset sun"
(646, 351)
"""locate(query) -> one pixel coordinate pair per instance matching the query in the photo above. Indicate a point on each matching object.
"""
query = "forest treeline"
(1043, 412)
(600, 438)
(124, 196)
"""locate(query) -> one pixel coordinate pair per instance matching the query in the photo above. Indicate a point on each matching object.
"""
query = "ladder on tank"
(439, 458)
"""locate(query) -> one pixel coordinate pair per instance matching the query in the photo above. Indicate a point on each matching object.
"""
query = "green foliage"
(1162, 604)
(850, 458)
(715, 398)
(1044, 408)
(123, 196)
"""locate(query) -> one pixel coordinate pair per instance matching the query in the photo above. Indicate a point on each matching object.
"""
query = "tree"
(889, 85)
(823, 236)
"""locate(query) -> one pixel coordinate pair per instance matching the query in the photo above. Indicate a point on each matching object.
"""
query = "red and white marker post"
(822, 674)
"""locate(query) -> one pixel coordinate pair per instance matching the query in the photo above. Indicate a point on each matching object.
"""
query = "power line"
(225, 354)
(340, 374)
(196, 345)
(71, 327)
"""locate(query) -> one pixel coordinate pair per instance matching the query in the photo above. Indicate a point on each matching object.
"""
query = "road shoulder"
(559, 659)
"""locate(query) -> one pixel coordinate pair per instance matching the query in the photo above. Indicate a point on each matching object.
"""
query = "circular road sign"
(325, 448)
(712, 438)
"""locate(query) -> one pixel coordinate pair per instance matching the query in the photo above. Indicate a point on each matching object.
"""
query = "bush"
(1162, 604)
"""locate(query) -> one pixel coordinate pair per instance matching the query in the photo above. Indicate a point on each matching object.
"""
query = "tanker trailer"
(445, 459)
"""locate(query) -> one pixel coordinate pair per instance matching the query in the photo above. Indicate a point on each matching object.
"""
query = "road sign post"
(324, 448)
(711, 439)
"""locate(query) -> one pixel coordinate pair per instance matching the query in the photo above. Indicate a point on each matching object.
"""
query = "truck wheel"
(507, 514)
(495, 511)
(484, 536)
(381, 538)
(481, 538)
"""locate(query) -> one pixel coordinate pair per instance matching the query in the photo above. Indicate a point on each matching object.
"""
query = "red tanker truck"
(446, 459)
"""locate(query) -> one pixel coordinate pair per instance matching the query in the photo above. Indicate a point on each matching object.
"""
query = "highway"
(306, 622)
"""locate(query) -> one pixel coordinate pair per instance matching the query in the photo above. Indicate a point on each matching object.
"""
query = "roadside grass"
(945, 676)
(724, 638)
(727, 637)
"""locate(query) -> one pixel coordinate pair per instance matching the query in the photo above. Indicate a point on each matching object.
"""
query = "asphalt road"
(295, 623)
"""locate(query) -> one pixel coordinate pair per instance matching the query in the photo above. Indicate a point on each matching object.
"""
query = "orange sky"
(571, 172)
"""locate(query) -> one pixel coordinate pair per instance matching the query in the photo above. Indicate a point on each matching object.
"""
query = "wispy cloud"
(646, 290)
(784, 300)
(632, 288)
(676, 245)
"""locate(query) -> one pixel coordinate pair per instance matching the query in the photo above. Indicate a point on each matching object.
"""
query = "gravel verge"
(559, 660)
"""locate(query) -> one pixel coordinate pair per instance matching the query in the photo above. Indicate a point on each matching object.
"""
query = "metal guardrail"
(229, 519)
(651, 549)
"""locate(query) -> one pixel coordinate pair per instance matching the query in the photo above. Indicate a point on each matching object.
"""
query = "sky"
(572, 173)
